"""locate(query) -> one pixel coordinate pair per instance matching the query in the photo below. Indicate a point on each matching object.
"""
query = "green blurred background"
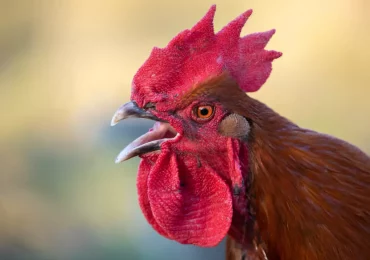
(65, 66)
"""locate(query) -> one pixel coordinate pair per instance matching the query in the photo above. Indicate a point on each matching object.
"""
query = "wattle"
(187, 203)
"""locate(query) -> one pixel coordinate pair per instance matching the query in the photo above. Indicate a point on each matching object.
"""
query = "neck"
(246, 230)
(308, 191)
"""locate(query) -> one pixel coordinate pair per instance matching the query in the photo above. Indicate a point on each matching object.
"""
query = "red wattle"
(192, 205)
(142, 187)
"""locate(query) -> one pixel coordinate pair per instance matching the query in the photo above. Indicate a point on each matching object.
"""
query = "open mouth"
(149, 142)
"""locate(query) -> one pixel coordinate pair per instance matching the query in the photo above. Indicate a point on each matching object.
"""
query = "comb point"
(206, 23)
(231, 32)
(272, 55)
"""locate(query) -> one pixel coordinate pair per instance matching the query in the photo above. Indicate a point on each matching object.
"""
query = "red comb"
(195, 55)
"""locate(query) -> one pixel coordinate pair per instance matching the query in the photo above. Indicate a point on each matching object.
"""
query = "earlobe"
(234, 125)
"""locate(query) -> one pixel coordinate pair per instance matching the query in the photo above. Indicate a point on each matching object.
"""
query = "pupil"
(204, 111)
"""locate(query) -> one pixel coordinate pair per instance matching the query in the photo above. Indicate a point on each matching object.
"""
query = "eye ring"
(204, 112)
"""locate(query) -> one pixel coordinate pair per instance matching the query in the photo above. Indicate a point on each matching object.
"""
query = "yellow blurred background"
(65, 66)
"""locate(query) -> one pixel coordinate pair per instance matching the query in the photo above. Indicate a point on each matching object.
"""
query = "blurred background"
(67, 65)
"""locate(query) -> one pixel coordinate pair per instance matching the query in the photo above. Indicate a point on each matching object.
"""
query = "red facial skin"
(186, 190)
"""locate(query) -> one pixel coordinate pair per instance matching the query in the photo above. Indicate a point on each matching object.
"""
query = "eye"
(204, 112)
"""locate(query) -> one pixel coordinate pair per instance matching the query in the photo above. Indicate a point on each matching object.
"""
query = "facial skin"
(186, 189)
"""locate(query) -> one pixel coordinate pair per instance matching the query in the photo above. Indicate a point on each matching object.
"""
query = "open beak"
(149, 142)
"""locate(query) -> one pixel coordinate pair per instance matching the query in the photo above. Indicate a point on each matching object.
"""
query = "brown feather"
(312, 191)
(233, 249)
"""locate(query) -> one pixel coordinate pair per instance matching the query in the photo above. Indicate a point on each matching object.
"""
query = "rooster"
(219, 163)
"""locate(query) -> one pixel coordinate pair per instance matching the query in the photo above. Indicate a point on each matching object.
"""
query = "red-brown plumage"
(312, 195)
(312, 191)
(278, 191)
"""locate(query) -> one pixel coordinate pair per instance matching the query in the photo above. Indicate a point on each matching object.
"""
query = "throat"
(244, 230)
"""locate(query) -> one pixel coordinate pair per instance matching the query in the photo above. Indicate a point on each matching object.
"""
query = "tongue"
(189, 205)
(153, 138)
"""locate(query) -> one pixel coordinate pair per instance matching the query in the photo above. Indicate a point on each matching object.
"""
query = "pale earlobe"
(234, 125)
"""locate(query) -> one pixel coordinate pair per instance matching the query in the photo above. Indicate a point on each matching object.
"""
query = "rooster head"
(194, 160)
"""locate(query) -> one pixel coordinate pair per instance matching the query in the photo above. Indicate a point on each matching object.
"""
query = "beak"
(148, 142)
(131, 110)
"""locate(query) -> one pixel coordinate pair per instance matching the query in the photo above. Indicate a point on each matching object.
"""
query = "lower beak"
(148, 142)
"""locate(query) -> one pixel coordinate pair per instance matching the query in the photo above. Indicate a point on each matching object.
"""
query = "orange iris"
(204, 112)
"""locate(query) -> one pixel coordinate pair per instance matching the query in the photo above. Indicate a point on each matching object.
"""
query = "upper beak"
(131, 110)
(148, 142)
